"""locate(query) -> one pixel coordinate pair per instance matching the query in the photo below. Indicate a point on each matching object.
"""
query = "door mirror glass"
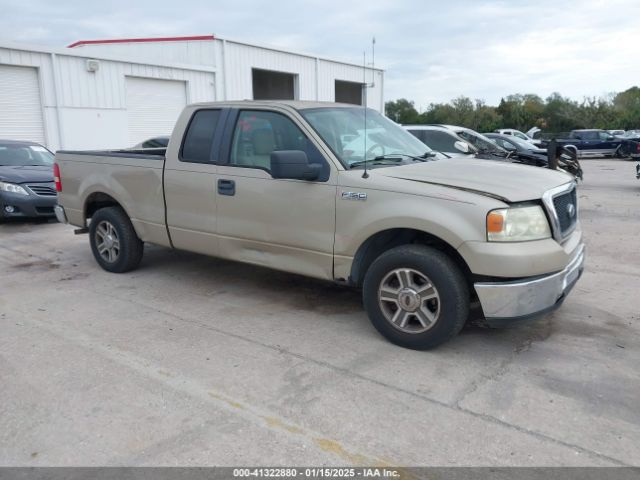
(293, 164)
(462, 146)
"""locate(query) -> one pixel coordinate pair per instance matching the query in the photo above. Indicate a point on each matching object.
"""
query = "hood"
(27, 174)
(506, 181)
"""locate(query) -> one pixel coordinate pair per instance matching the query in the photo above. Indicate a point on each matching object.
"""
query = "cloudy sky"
(432, 51)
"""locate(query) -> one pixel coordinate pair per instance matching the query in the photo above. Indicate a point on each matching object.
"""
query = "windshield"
(352, 140)
(481, 142)
(21, 155)
(520, 135)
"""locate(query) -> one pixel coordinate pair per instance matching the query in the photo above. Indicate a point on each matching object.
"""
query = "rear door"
(153, 106)
(190, 183)
(280, 223)
(607, 143)
(20, 104)
(588, 140)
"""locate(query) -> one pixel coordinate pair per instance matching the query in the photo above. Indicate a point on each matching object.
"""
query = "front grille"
(566, 206)
(44, 189)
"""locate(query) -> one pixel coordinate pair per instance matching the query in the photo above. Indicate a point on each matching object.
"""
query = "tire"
(428, 321)
(114, 243)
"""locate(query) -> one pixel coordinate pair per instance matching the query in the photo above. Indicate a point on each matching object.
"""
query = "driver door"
(280, 223)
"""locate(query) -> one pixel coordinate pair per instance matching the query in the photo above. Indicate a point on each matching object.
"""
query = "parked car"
(441, 139)
(458, 139)
(26, 180)
(518, 134)
(592, 143)
(630, 145)
(616, 133)
(155, 142)
(520, 148)
(449, 138)
(422, 238)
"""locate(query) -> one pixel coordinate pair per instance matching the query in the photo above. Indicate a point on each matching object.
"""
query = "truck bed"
(134, 177)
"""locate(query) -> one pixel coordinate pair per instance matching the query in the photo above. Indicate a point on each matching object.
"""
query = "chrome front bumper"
(60, 215)
(503, 302)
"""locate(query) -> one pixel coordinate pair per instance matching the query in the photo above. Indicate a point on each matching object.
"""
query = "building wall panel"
(241, 59)
(195, 52)
(84, 109)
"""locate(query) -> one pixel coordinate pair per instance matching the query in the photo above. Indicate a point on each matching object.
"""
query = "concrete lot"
(195, 361)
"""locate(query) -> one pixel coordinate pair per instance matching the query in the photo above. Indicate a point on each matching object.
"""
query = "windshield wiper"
(380, 160)
(433, 152)
(396, 157)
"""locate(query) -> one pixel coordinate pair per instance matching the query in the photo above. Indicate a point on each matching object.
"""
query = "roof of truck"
(295, 104)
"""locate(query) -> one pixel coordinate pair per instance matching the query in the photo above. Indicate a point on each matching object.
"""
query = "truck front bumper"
(507, 302)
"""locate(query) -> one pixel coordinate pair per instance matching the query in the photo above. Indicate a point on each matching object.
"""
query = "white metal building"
(116, 93)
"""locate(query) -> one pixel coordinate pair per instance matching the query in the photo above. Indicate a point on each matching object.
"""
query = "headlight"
(517, 224)
(12, 188)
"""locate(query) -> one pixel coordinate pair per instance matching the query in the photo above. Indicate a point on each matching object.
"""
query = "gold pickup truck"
(339, 193)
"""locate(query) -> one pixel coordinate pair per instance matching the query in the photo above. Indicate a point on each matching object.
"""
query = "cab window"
(259, 133)
(199, 137)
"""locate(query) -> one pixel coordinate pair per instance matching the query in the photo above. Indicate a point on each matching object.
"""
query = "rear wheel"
(416, 296)
(114, 242)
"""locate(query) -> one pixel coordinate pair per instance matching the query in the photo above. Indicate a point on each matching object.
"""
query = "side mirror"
(611, 137)
(462, 146)
(293, 164)
(510, 148)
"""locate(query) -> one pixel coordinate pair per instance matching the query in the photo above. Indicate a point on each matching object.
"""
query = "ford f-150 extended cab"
(339, 193)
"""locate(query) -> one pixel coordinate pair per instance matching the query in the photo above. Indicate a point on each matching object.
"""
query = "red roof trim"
(141, 40)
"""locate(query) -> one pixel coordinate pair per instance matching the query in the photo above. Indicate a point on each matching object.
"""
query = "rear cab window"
(198, 141)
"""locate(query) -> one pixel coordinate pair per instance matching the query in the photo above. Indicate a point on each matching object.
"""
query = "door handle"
(226, 187)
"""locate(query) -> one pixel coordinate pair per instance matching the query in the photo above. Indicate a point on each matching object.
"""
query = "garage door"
(268, 85)
(349, 92)
(20, 105)
(153, 106)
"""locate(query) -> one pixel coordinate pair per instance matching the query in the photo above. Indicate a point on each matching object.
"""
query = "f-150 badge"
(354, 196)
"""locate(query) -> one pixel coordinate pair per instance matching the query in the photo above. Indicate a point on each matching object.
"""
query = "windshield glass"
(345, 132)
(17, 155)
(520, 135)
(480, 142)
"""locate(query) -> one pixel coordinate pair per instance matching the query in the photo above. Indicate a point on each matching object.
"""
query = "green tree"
(626, 105)
(401, 111)
(555, 114)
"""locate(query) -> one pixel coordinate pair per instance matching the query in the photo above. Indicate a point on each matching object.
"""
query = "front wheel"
(416, 296)
(114, 242)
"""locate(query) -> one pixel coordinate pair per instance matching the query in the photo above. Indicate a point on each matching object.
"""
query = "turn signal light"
(495, 222)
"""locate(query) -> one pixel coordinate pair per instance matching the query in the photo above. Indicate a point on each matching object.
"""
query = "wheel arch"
(384, 240)
(97, 200)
